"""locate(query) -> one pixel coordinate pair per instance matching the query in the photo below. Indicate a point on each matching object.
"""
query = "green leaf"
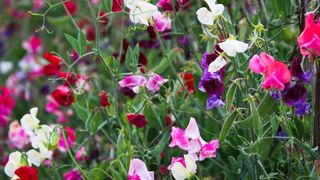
(227, 126)
(73, 42)
(82, 43)
(255, 118)
(81, 111)
(107, 5)
(132, 59)
(155, 152)
(230, 96)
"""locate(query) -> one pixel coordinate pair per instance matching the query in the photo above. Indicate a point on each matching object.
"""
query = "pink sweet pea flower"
(138, 171)
(73, 175)
(133, 82)
(276, 73)
(309, 39)
(154, 83)
(165, 5)
(81, 155)
(162, 23)
(71, 138)
(192, 132)
(178, 138)
(33, 45)
(17, 136)
(209, 150)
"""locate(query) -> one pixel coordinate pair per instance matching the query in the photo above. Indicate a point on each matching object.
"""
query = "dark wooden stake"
(316, 128)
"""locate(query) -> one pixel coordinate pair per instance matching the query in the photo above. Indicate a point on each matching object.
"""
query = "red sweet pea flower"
(27, 173)
(104, 19)
(116, 5)
(69, 77)
(104, 99)
(91, 36)
(63, 95)
(71, 7)
(54, 67)
(137, 119)
(189, 82)
(53, 59)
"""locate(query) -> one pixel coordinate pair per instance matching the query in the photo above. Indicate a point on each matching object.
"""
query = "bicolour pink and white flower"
(33, 45)
(162, 22)
(190, 140)
(17, 136)
(183, 168)
(133, 82)
(139, 171)
(276, 73)
(81, 154)
(155, 82)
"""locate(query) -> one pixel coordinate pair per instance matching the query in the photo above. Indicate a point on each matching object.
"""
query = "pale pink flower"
(17, 136)
(133, 82)
(37, 4)
(81, 155)
(162, 23)
(155, 82)
(138, 171)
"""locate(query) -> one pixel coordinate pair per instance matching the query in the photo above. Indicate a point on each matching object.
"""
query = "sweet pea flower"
(232, 46)
(33, 45)
(30, 122)
(206, 16)
(26, 173)
(183, 169)
(63, 95)
(178, 138)
(141, 12)
(138, 120)
(17, 136)
(18, 159)
(81, 154)
(162, 22)
(209, 150)
(276, 73)
(309, 39)
(154, 82)
(217, 64)
(165, 5)
(133, 82)
(72, 175)
(71, 138)
(138, 171)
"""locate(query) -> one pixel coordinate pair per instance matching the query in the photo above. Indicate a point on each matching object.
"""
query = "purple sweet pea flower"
(294, 94)
(297, 72)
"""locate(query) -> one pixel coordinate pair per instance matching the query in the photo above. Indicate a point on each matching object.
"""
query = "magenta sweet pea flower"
(178, 138)
(133, 82)
(276, 73)
(162, 22)
(309, 39)
(138, 171)
(71, 138)
(165, 5)
(73, 175)
(33, 45)
(154, 82)
(209, 150)
(82, 155)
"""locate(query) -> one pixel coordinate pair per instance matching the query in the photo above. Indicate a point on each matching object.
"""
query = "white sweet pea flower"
(45, 139)
(5, 67)
(180, 172)
(13, 163)
(18, 159)
(217, 64)
(207, 17)
(233, 46)
(29, 122)
(141, 12)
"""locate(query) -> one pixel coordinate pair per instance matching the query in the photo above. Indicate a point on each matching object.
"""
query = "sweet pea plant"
(159, 89)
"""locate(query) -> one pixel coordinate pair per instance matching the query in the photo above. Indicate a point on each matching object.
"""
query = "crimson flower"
(138, 120)
(71, 7)
(27, 173)
(116, 5)
(63, 95)
(104, 99)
